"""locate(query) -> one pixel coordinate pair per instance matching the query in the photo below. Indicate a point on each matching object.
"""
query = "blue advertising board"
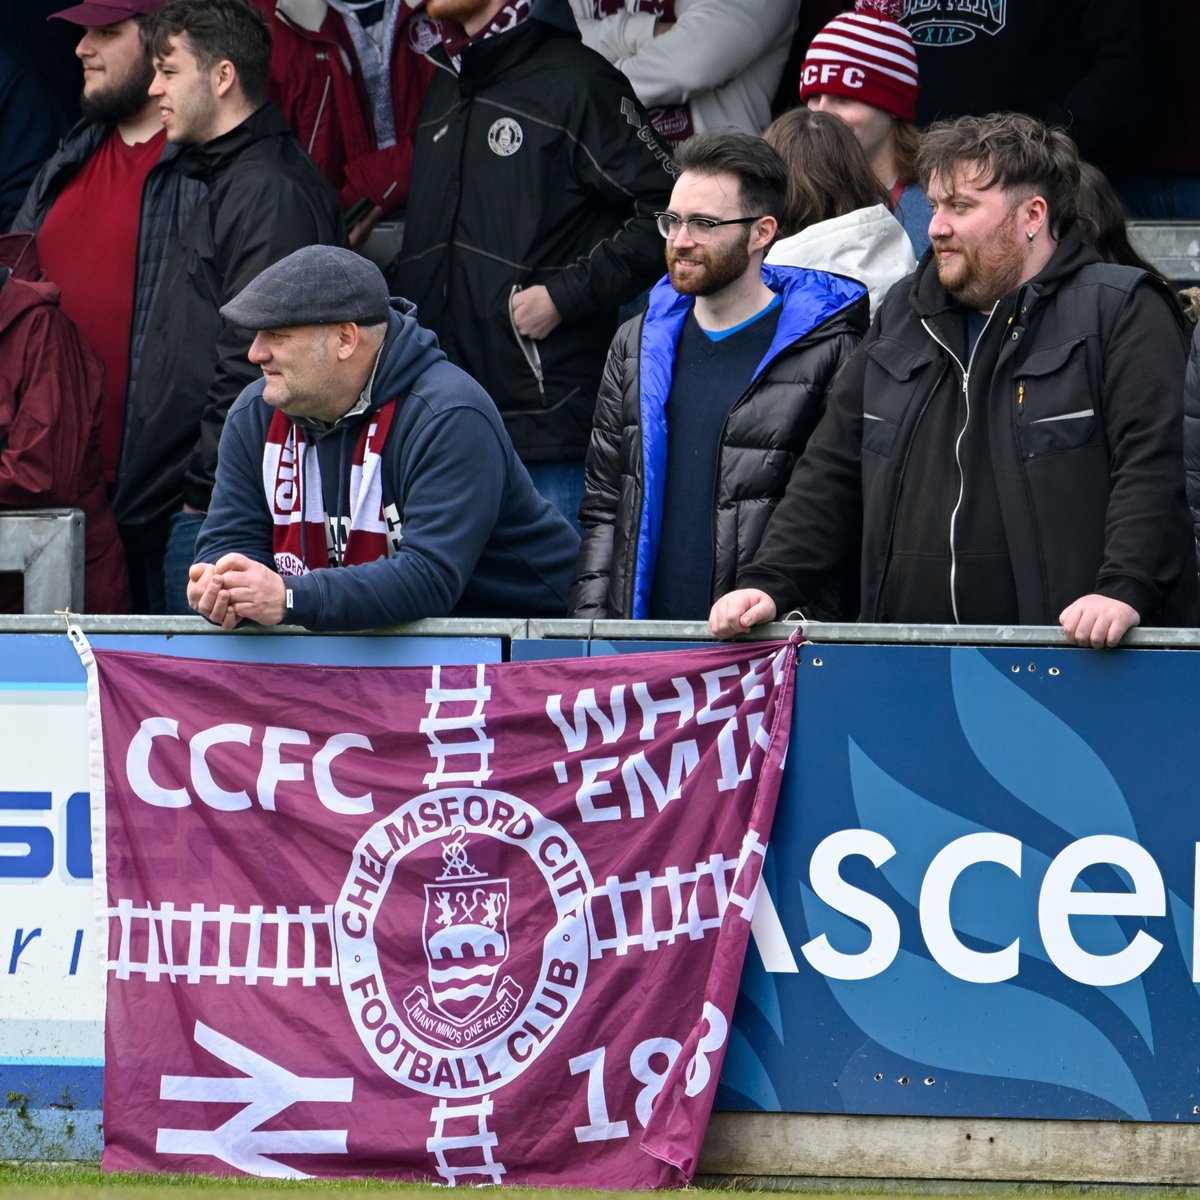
(983, 885)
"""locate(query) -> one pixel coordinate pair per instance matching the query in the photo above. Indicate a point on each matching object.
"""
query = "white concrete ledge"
(801, 1145)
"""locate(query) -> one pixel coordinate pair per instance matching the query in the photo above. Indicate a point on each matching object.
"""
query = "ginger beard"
(978, 248)
(706, 270)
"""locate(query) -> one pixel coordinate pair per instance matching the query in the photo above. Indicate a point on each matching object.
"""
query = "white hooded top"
(868, 244)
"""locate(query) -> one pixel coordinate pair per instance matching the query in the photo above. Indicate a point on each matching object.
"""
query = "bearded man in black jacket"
(265, 198)
(1006, 447)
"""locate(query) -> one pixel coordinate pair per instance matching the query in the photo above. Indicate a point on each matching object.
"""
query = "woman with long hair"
(834, 218)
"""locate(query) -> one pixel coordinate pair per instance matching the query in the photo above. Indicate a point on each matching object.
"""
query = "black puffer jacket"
(819, 328)
(265, 198)
(534, 165)
(1083, 413)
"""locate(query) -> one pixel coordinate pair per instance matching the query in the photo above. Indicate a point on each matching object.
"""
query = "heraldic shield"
(465, 933)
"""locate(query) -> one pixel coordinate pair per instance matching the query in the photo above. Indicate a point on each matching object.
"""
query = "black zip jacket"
(265, 198)
(534, 165)
(1082, 420)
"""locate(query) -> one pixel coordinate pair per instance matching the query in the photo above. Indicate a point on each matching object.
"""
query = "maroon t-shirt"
(88, 246)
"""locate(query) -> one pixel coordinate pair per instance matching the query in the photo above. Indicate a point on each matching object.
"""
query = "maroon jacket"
(50, 397)
(316, 81)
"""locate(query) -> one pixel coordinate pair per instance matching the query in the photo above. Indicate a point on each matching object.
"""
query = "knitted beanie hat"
(865, 55)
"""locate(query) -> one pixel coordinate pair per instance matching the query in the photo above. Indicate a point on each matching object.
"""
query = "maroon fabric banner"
(470, 924)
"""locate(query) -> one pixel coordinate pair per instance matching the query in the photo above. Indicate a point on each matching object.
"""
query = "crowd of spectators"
(544, 162)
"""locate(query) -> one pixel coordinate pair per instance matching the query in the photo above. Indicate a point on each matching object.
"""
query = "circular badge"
(423, 33)
(505, 137)
(461, 939)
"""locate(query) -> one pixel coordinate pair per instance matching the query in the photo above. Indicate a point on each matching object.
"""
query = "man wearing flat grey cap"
(365, 481)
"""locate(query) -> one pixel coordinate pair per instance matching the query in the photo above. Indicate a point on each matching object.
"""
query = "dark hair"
(828, 173)
(1102, 220)
(1019, 153)
(217, 30)
(762, 174)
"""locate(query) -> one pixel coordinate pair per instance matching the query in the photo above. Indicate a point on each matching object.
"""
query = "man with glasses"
(708, 398)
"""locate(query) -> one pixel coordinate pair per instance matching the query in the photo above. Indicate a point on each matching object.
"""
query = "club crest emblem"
(466, 935)
(505, 137)
(423, 33)
(462, 939)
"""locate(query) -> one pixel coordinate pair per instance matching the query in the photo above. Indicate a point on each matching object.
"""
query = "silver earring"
(1029, 236)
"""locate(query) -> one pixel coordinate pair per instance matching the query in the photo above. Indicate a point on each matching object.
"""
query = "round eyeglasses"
(699, 228)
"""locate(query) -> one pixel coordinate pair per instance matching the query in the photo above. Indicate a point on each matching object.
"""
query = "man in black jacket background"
(536, 174)
(265, 198)
(1006, 447)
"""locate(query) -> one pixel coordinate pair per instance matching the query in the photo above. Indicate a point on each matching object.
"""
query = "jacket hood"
(810, 298)
(868, 244)
(24, 286)
(408, 350)
(307, 14)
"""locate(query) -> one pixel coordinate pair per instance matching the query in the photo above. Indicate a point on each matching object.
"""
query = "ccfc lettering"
(154, 753)
(816, 74)
(1058, 902)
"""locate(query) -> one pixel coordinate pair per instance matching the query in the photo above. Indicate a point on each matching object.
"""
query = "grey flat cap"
(317, 285)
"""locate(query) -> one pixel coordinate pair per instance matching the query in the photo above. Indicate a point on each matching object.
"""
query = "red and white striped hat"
(865, 55)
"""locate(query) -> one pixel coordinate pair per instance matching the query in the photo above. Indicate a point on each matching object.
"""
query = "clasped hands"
(236, 589)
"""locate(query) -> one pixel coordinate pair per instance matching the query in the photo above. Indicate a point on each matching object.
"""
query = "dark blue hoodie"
(476, 538)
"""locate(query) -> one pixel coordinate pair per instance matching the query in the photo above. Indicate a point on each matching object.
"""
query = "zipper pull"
(1020, 394)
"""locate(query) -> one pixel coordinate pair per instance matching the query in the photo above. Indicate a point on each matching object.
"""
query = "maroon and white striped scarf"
(292, 482)
(455, 39)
